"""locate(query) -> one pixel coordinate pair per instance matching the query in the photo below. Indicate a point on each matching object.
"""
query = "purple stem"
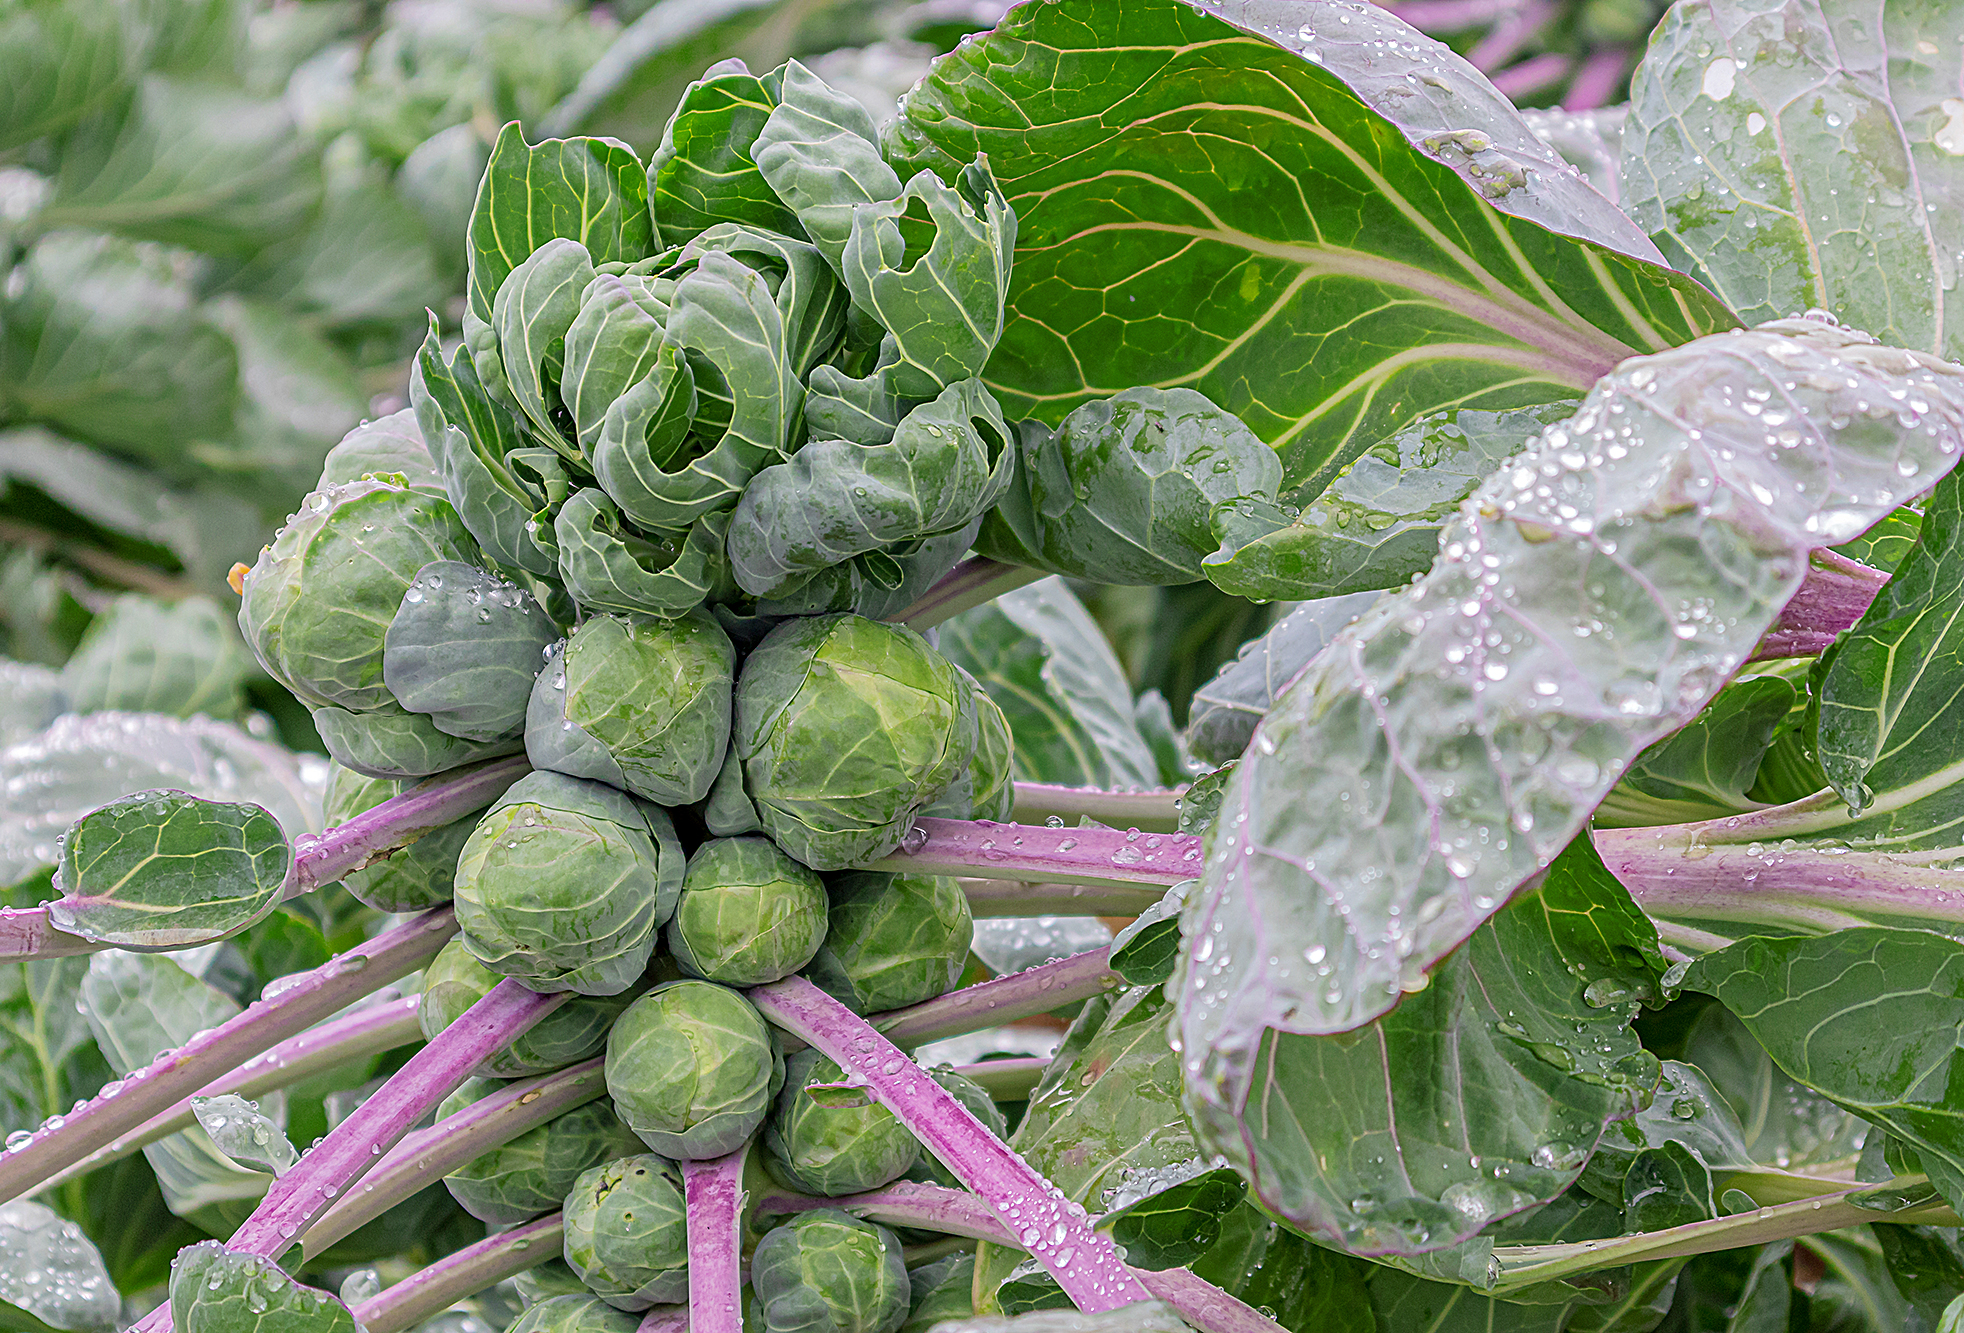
(1832, 598)
(427, 1155)
(934, 1208)
(974, 581)
(297, 1199)
(989, 1004)
(1084, 1262)
(128, 1102)
(1596, 82)
(1509, 35)
(331, 1045)
(713, 1192)
(665, 1319)
(1158, 811)
(1013, 897)
(1098, 857)
(1532, 74)
(464, 1273)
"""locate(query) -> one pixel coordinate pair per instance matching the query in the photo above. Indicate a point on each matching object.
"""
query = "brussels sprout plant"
(1544, 921)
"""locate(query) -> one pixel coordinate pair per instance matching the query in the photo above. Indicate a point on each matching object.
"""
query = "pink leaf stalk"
(1834, 595)
(298, 1199)
(1533, 74)
(713, 1191)
(1158, 811)
(1596, 82)
(128, 1102)
(1097, 857)
(974, 581)
(1084, 1262)
(988, 1004)
(470, 1270)
(1015, 898)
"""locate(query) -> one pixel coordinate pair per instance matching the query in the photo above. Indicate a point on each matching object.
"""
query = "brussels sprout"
(318, 601)
(827, 1144)
(531, 1174)
(454, 981)
(409, 880)
(828, 1272)
(574, 1314)
(891, 940)
(692, 1068)
(389, 446)
(564, 883)
(976, 1100)
(846, 727)
(640, 705)
(542, 1282)
(392, 742)
(463, 650)
(988, 789)
(748, 913)
(627, 1232)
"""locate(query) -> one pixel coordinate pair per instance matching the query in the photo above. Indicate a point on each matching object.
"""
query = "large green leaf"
(1704, 771)
(1048, 667)
(49, 1268)
(214, 1290)
(1587, 602)
(1793, 154)
(145, 656)
(50, 1060)
(1384, 1140)
(58, 62)
(1201, 206)
(1226, 710)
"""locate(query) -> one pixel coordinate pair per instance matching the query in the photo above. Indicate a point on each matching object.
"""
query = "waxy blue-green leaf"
(388, 446)
(1047, 665)
(879, 584)
(608, 568)
(60, 62)
(947, 463)
(942, 304)
(1381, 1141)
(411, 878)
(1177, 1225)
(1704, 771)
(393, 742)
(611, 345)
(1146, 952)
(49, 1269)
(534, 307)
(245, 1134)
(144, 656)
(810, 298)
(819, 152)
(1227, 708)
(704, 172)
(1378, 523)
(1200, 206)
(593, 191)
(1792, 155)
(1587, 602)
(464, 648)
(216, 1290)
(163, 870)
(1124, 490)
(471, 437)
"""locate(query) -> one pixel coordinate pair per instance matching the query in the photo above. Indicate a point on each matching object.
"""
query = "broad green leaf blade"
(214, 1290)
(1201, 207)
(1146, 952)
(60, 62)
(1869, 1018)
(239, 1130)
(49, 1269)
(163, 870)
(704, 172)
(1378, 524)
(1227, 708)
(1587, 603)
(48, 1059)
(1176, 1225)
(593, 191)
(120, 497)
(1705, 771)
(1387, 1141)
(1047, 665)
(1781, 1123)
(1795, 155)
(1856, 1289)
(141, 655)
(464, 648)
(79, 763)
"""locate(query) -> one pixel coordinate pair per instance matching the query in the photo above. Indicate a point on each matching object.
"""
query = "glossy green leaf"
(1705, 771)
(146, 656)
(535, 305)
(1225, 710)
(612, 344)
(1925, 1267)
(1378, 523)
(1146, 951)
(216, 1290)
(607, 567)
(1856, 1289)
(1200, 206)
(1454, 740)
(1781, 1123)
(396, 743)
(464, 648)
(819, 152)
(388, 445)
(1048, 666)
(1794, 156)
(1179, 1224)
(1381, 1141)
(704, 172)
(50, 1060)
(593, 191)
(50, 1272)
(238, 1129)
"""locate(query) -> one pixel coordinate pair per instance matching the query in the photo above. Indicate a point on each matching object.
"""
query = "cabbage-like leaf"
(1145, 952)
(1589, 601)
(216, 1290)
(1200, 206)
(611, 345)
(819, 151)
(879, 584)
(947, 463)
(593, 191)
(163, 870)
(390, 445)
(395, 743)
(1792, 155)
(464, 648)
(243, 1133)
(535, 306)
(1047, 665)
(704, 172)
(1225, 711)
(78, 763)
(49, 1268)
(60, 62)
(145, 656)
(810, 297)
(1704, 771)
(608, 568)
(1378, 523)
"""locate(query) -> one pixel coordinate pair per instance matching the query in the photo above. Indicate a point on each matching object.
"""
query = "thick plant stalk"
(1084, 1262)
(1596, 82)
(1153, 811)
(1013, 897)
(427, 1155)
(988, 1004)
(714, 1193)
(974, 581)
(298, 1198)
(934, 1208)
(1831, 598)
(465, 1273)
(665, 1319)
(369, 1030)
(154, 1089)
(1099, 858)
